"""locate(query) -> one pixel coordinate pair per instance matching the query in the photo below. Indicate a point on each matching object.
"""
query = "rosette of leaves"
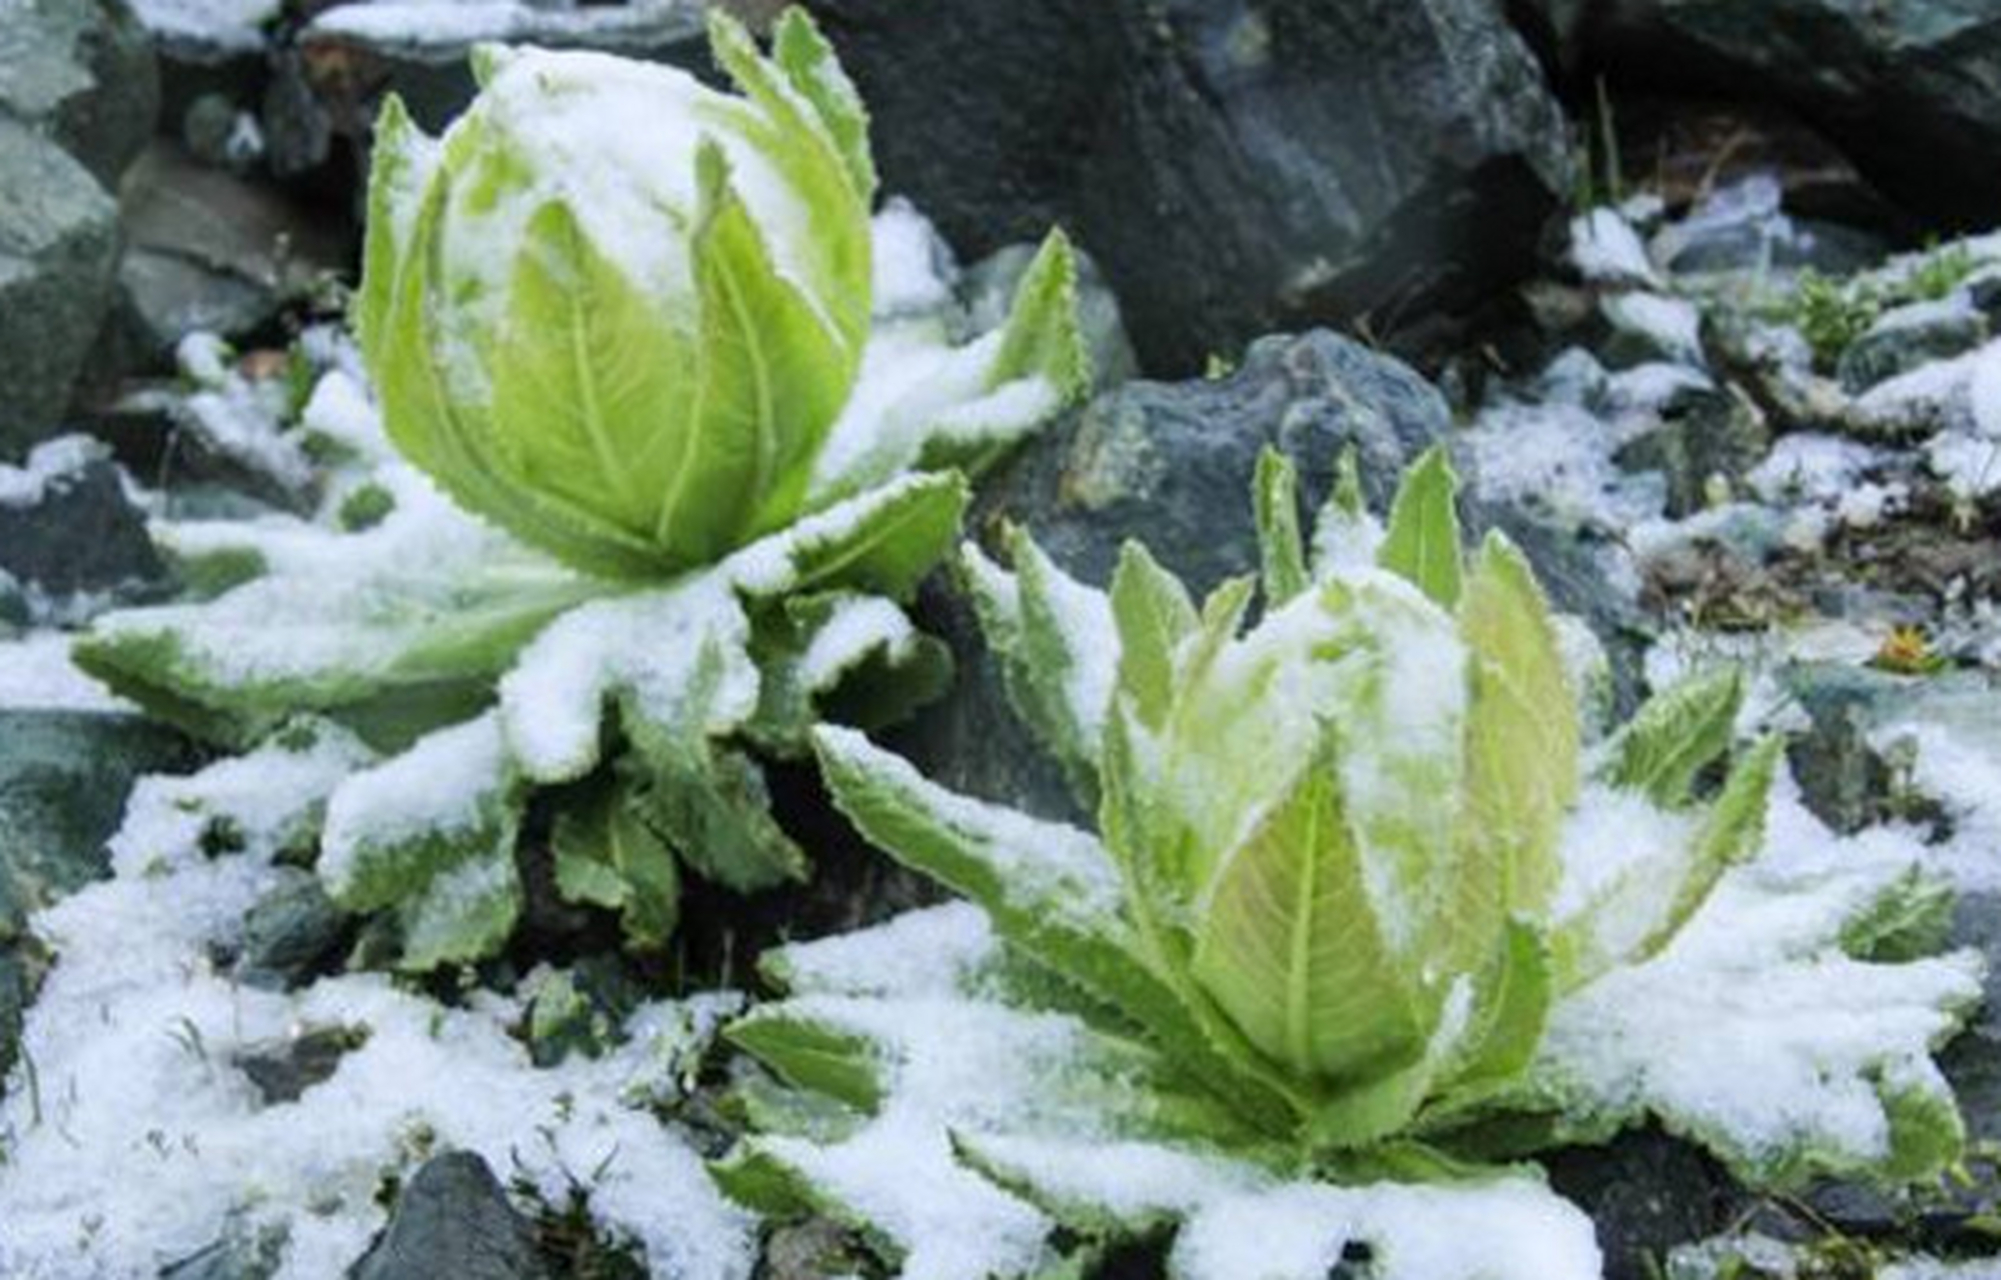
(625, 322)
(1362, 926)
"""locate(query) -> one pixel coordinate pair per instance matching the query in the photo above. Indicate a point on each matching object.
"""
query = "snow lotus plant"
(709, 421)
(1363, 922)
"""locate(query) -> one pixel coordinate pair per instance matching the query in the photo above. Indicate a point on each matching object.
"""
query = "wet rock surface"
(1283, 160)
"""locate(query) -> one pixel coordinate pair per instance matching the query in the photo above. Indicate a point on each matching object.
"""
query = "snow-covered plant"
(1363, 921)
(712, 421)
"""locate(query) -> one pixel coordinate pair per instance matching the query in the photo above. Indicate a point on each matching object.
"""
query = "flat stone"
(214, 251)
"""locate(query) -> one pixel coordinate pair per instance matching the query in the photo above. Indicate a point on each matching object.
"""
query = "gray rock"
(64, 776)
(84, 70)
(1910, 336)
(81, 545)
(1237, 167)
(1905, 88)
(209, 250)
(283, 1070)
(58, 241)
(1843, 781)
(1703, 434)
(291, 935)
(453, 1219)
(1170, 465)
(1646, 1192)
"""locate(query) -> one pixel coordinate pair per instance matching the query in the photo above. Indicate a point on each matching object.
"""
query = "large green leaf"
(1421, 544)
(591, 378)
(770, 380)
(1521, 767)
(1289, 944)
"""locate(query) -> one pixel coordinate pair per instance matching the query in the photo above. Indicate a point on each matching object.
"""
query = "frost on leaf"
(967, 1125)
(1758, 1034)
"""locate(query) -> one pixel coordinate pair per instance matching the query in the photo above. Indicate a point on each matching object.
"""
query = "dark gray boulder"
(1170, 464)
(1906, 88)
(453, 1219)
(1236, 166)
(58, 243)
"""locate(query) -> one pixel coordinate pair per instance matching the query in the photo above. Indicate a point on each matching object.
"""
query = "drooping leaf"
(431, 833)
(608, 855)
(1422, 541)
(883, 541)
(396, 630)
(1676, 735)
(1754, 1033)
(855, 659)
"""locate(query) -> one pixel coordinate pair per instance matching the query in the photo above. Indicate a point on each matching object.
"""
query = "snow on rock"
(47, 463)
(1605, 249)
(234, 26)
(1672, 326)
(132, 1138)
(450, 25)
(36, 674)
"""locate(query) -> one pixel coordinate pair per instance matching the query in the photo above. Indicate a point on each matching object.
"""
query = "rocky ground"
(1730, 372)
